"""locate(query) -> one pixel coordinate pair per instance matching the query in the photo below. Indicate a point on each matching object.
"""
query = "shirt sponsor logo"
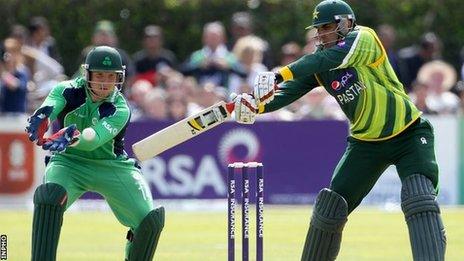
(78, 114)
(344, 81)
(110, 128)
(341, 43)
(350, 94)
(336, 85)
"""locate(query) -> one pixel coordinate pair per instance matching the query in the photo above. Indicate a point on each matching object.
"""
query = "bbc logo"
(3, 247)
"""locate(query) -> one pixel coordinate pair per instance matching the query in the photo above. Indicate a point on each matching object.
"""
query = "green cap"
(104, 58)
(331, 11)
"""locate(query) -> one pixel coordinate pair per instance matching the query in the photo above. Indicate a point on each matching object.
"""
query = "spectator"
(153, 55)
(41, 39)
(20, 33)
(311, 42)
(177, 108)
(174, 86)
(139, 90)
(154, 105)
(213, 63)
(461, 54)
(13, 78)
(420, 96)
(412, 58)
(41, 57)
(387, 36)
(105, 34)
(290, 52)
(163, 74)
(191, 89)
(242, 25)
(318, 104)
(208, 94)
(249, 51)
(460, 93)
(440, 77)
(45, 71)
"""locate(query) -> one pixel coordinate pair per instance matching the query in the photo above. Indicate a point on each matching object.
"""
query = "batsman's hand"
(38, 124)
(62, 139)
(264, 86)
(245, 108)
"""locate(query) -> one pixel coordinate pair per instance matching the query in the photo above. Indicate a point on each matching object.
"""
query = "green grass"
(370, 234)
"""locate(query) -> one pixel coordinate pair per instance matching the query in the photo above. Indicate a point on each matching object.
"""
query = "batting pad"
(49, 205)
(146, 236)
(422, 214)
(325, 232)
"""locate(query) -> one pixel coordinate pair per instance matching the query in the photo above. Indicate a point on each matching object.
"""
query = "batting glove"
(264, 87)
(245, 108)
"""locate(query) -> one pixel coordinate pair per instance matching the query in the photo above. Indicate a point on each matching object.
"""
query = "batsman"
(386, 129)
(95, 162)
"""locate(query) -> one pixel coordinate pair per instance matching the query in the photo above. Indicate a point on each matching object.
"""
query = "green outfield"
(370, 234)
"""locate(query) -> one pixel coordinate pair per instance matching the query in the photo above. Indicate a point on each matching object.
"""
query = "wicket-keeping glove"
(59, 141)
(245, 108)
(38, 124)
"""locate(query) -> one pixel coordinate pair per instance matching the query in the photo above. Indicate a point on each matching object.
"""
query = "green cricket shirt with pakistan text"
(357, 73)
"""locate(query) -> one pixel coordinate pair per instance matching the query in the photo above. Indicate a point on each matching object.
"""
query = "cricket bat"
(182, 131)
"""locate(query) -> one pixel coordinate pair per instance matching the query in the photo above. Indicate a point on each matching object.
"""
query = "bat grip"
(230, 106)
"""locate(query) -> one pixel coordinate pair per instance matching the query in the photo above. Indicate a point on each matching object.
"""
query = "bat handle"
(230, 106)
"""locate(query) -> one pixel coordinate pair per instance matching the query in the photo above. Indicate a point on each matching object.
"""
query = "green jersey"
(109, 118)
(357, 73)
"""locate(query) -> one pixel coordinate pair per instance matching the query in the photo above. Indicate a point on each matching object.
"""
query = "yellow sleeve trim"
(286, 73)
(260, 108)
(384, 53)
(318, 80)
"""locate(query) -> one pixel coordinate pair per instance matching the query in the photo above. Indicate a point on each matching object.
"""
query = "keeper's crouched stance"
(97, 164)
(50, 201)
(128, 198)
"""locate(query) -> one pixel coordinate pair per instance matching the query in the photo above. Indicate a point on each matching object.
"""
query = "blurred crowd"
(160, 87)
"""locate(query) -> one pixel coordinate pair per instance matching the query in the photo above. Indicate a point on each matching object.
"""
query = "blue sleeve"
(23, 78)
